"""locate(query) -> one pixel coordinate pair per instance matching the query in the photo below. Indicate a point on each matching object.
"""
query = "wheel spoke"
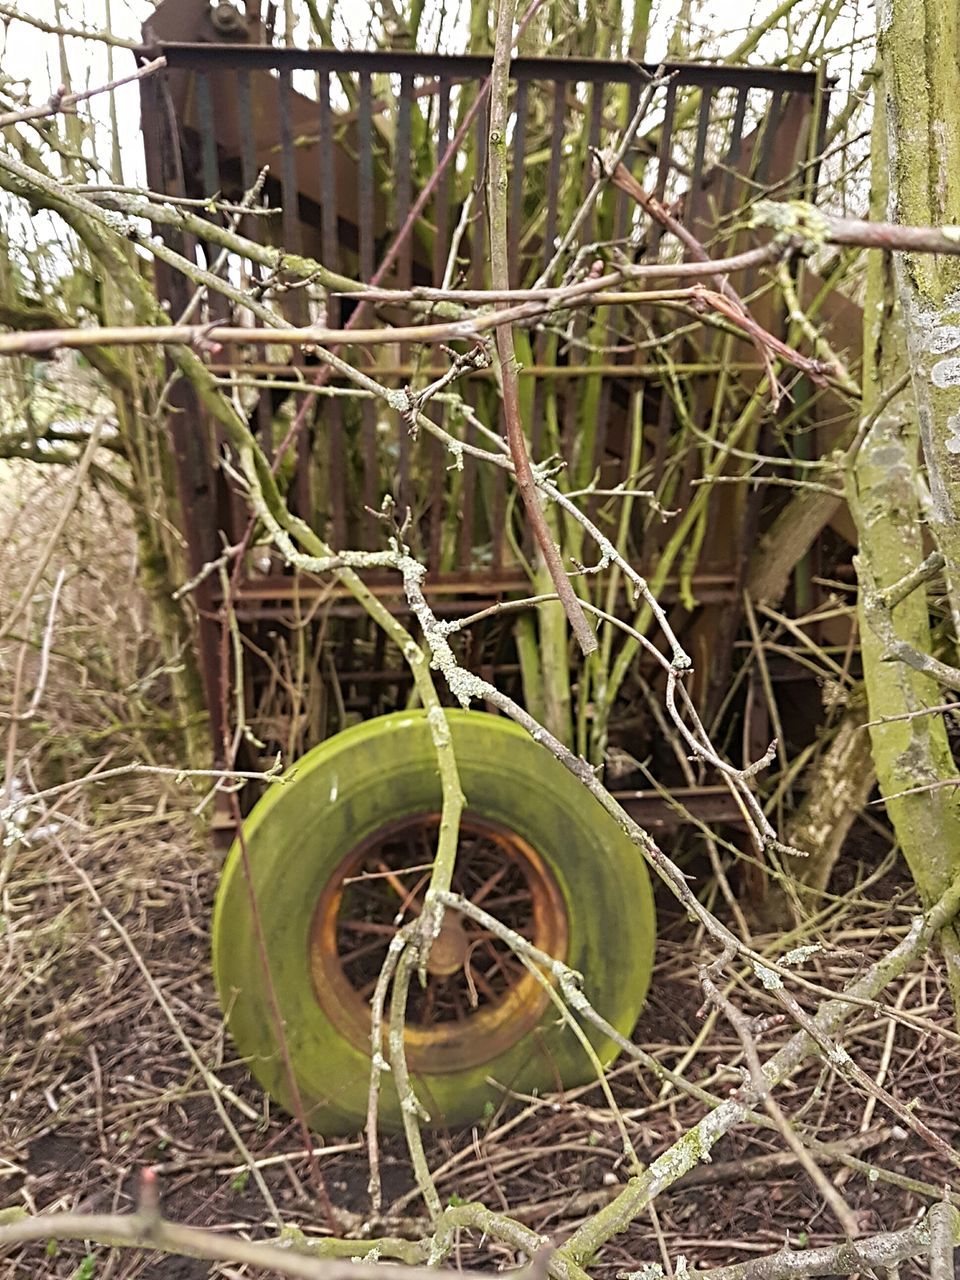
(386, 883)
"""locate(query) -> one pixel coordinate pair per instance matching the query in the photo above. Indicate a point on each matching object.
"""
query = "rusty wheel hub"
(479, 998)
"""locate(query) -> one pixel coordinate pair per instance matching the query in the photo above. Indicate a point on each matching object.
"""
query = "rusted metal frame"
(705, 804)
(331, 412)
(365, 204)
(477, 66)
(280, 591)
(441, 205)
(195, 478)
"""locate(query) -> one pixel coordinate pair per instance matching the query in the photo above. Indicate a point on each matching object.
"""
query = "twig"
(500, 276)
(944, 1224)
(122, 770)
(741, 1026)
(213, 1084)
(211, 337)
(146, 1231)
(56, 533)
(879, 1251)
(61, 101)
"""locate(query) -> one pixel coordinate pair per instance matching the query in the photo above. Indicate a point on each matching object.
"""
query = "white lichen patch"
(952, 441)
(945, 337)
(772, 981)
(799, 955)
(439, 728)
(946, 373)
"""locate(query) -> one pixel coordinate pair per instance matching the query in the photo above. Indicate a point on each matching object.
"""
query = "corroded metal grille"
(344, 136)
(375, 166)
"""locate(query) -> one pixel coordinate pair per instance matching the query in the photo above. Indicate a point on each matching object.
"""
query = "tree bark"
(884, 493)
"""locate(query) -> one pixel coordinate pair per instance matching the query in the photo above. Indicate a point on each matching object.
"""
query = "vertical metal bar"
(694, 198)
(478, 240)
(329, 411)
(731, 181)
(402, 166)
(328, 186)
(248, 176)
(248, 157)
(439, 484)
(371, 476)
(371, 462)
(736, 143)
(438, 469)
(663, 168)
(770, 128)
(553, 177)
(288, 171)
(479, 226)
(516, 187)
(614, 324)
(441, 203)
(292, 240)
(208, 137)
(768, 138)
(588, 231)
(365, 176)
(819, 110)
(620, 198)
(466, 543)
(653, 534)
(467, 500)
(402, 169)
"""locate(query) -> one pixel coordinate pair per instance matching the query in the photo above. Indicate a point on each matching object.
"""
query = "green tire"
(337, 796)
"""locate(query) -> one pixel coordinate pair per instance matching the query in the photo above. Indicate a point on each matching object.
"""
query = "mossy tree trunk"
(884, 493)
(919, 43)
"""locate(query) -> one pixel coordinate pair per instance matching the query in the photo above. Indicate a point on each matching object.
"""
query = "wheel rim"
(479, 999)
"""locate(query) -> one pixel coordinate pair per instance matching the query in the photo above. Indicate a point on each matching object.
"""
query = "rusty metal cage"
(336, 133)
